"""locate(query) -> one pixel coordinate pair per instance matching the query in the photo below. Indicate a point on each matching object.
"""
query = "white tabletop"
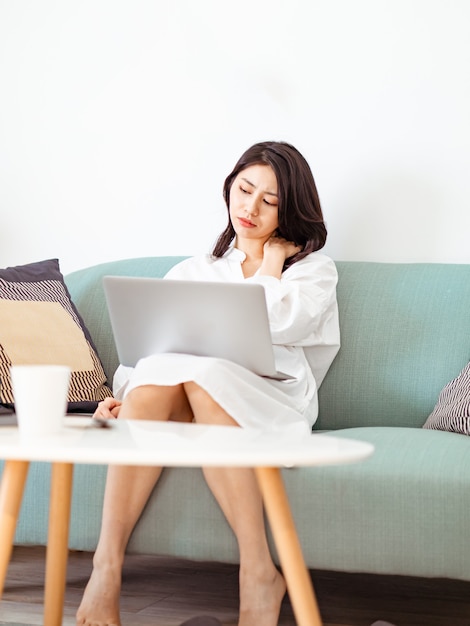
(180, 445)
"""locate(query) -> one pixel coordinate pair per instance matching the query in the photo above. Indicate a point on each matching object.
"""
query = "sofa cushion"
(40, 324)
(452, 410)
(404, 327)
(390, 512)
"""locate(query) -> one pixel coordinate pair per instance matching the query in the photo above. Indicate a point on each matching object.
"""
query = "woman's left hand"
(107, 409)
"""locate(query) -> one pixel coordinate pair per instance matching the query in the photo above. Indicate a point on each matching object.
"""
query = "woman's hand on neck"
(266, 256)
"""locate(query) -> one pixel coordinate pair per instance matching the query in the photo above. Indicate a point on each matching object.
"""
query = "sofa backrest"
(405, 332)
(86, 290)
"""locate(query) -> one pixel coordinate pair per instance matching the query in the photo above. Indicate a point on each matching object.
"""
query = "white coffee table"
(164, 444)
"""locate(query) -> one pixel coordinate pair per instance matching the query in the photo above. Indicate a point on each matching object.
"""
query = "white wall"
(119, 120)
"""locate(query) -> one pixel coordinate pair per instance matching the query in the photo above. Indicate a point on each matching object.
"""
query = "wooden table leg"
(57, 542)
(299, 584)
(11, 495)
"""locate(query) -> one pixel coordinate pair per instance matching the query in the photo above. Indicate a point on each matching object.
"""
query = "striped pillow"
(452, 410)
(40, 324)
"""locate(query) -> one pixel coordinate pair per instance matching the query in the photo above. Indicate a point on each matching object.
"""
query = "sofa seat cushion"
(390, 512)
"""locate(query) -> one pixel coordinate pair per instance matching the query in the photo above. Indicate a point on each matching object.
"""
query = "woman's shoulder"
(315, 261)
(318, 257)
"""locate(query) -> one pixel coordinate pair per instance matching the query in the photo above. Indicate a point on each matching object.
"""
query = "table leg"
(11, 495)
(299, 584)
(57, 542)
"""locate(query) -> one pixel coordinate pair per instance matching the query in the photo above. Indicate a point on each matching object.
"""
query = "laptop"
(224, 320)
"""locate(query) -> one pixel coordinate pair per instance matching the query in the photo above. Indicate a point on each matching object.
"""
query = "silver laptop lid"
(223, 320)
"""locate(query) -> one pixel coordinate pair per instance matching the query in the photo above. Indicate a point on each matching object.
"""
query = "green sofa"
(406, 510)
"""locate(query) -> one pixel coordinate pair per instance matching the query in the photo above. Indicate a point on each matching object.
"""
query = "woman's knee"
(198, 398)
(205, 409)
(154, 402)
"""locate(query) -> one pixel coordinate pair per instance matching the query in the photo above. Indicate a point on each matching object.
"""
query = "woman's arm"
(302, 302)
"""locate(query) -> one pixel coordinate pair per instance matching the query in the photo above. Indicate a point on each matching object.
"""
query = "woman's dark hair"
(299, 211)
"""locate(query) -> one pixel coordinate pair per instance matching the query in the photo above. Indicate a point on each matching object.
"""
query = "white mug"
(40, 394)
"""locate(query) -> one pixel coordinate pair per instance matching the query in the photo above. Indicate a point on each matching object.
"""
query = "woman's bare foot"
(261, 598)
(100, 602)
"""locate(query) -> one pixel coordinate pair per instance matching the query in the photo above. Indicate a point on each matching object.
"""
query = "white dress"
(304, 326)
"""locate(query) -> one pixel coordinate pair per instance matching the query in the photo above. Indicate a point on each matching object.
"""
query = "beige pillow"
(40, 324)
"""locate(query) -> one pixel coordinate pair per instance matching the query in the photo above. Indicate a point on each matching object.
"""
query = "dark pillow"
(40, 324)
(452, 410)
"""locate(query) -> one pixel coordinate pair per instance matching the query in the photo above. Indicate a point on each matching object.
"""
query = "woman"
(274, 232)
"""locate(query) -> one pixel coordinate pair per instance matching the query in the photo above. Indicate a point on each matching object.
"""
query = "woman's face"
(254, 203)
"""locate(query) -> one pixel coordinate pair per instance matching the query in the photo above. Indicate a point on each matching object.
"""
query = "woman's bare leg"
(262, 587)
(127, 490)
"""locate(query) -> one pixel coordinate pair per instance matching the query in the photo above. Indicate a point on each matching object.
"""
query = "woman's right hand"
(275, 251)
(281, 246)
(108, 409)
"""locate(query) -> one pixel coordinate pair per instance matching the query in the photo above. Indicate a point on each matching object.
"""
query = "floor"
(160, 591)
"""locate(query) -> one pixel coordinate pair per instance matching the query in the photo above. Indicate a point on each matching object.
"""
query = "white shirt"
(302, 311)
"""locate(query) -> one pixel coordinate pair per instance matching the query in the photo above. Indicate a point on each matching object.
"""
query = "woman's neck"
(253, 255)
(253, 249)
